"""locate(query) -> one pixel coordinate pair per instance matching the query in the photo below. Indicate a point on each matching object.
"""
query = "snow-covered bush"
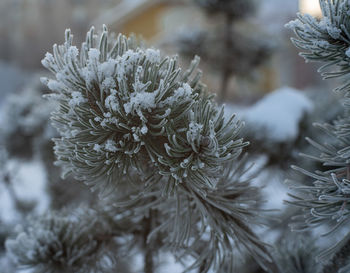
(126, 108)
(166, 161)
(147, 136)
(79, 242)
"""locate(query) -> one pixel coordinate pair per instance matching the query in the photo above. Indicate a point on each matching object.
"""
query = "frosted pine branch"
(81, 242)
(148, 135)
(126, 108)
(326, 200)
(327, 39)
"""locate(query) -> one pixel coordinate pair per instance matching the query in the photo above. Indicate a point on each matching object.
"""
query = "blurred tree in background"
(228, 49)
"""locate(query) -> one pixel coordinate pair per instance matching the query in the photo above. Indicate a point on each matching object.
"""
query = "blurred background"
(247, 60)
(29, 28)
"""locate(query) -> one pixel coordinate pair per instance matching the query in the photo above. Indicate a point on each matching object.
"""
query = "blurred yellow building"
(154, 20)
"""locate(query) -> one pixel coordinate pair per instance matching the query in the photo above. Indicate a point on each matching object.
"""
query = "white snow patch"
(274, 190)
(144, 130)
(54, 85)
(137, 262)
(108, 68)
(8, 213)
(278, 114)
(97, 148)
(136, 137)
(94, 54)
(140, 101)
(29, 184)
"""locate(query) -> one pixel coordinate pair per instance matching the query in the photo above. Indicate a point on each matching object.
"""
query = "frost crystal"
(77, 99)
(182, 93)
(111, 101)
(97, 147)
(144, 129)
(110, 146)
(194, 130)
(152, 55)
(140, 101)
(54, 85)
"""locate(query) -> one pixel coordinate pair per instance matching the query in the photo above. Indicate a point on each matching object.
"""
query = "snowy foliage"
(81, 242)
(141, 131)
(326, 39)
(124, 108)
(326, 201)
(331, 184)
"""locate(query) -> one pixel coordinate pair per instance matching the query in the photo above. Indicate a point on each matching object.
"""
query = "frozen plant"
(326, 201)
(125, 108)
(69, 242)
(145, 134)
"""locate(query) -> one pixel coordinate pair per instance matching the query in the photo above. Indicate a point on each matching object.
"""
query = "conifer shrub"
(150, 139)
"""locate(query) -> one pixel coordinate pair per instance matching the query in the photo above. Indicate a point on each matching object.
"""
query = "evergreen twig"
(150, 138)
(326, 201)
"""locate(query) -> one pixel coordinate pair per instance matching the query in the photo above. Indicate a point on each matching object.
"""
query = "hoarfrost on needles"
(77, 99)
(140, 101)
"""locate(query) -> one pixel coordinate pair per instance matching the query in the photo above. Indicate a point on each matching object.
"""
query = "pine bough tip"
(134, 127)
(326, 200)
(121, 104)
